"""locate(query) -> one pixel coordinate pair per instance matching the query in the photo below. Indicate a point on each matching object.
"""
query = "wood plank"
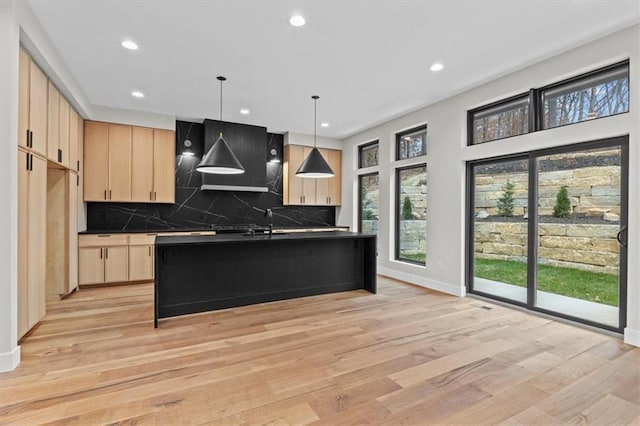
(332, 359)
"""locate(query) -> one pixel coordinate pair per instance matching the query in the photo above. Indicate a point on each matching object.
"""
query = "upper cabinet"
(32, 117)
(308, 191)
(112, 175)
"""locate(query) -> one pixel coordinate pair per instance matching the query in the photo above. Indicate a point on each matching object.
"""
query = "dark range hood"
(249, 144)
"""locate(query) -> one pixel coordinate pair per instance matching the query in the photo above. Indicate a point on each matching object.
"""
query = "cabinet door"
(23, 203)
(91, 265)
(53, 123)
(96, 160)
(72, 231)
(23, 98)
(116, 264)
(299, 191)
(63, 141)
(119, 163)
(164, 169)
(142, 167)
(329, 190)
(37, 239)
(74, 119)
(38, 88)
(140, 263)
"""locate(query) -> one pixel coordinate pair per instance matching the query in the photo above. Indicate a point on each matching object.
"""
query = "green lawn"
(592, 286)
(416, 257)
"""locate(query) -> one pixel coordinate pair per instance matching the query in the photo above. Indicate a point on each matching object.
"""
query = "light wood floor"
(404, 356)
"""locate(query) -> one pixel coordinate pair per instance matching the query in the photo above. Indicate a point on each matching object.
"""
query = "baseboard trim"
(632, 337)
(9, 360)
(423, 282)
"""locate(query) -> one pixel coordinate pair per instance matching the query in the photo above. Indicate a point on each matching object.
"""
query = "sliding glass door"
(549, 231)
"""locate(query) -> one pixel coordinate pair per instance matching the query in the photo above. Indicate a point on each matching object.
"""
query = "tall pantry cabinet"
(49, 131)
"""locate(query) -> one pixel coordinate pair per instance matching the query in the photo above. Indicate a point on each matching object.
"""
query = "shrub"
(407, 209)
(505, 202)
(563, 204)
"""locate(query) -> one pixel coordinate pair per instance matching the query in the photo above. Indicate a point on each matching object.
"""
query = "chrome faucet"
(268, 213)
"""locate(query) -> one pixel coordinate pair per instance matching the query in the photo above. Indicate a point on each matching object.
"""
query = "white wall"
(307, 140)
(9, 38)
(447, 153)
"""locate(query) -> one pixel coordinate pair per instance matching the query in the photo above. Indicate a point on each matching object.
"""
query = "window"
(412, 143)
(369, 202)
(368, 155)
(600, 94)
(411, 214)
(501, 120)
(596, 94)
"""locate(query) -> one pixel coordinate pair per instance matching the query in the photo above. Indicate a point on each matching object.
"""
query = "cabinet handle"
(59, 155)
(31, 162)
(149, 251)
(30, 139)
(155, 196)
(27, 165)
(106, 252)
(77, 180)
(100, 252)
(105, 194)
(78, 168)
(329, 200)
(150, 196)
(27, 141)
(109, 194)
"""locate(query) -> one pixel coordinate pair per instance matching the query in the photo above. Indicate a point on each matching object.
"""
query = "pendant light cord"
(220, 100)
(315, 113)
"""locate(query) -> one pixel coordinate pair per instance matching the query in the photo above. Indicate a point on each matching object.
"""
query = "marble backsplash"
(196, 209)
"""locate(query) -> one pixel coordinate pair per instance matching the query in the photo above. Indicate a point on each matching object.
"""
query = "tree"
(563, 204)
(407, 209)
(505, 202)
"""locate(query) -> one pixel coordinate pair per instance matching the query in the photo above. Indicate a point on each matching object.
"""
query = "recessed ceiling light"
(244, 111)
(137, 94)
(130, 44)
(324, 124)
(297, 21)
(436, 67)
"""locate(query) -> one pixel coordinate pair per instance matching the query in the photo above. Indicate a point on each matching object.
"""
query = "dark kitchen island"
(204, 273)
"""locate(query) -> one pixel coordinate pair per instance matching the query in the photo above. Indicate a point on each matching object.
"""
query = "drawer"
(142, 239)
(183, 234)
(103, 240)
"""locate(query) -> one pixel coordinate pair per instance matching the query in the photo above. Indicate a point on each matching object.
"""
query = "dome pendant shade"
(220, 160)
(314, 166)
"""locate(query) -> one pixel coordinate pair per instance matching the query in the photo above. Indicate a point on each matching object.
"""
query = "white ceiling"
(367, 60)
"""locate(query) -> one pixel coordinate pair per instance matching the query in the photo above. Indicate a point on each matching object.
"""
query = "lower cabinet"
(103, 259)
(141, 257)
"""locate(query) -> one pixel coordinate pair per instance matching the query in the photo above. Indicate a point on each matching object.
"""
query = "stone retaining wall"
(588, 247)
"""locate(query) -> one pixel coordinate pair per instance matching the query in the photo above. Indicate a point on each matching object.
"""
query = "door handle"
(27, 165)
(619, 237)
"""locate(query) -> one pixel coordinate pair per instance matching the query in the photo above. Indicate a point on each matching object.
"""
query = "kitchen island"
(204, 273)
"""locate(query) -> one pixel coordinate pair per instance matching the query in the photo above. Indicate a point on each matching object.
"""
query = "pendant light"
(220, 159)
(314, 166)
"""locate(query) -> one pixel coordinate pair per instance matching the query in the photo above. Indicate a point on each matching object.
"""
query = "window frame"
(399, 135)
(360, 176)
(536, 102)
(502, 102)
(398, 193)
(365, 146)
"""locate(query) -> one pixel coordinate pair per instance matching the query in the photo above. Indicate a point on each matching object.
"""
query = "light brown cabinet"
(58, 127)
(164, 166)
(72, 232)
(329, 190)
(75, 139)
(112, 175)
(307, 191)
(32, 110)
(103, 259)
(32, 192)
(141, 257)
(96, 161)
